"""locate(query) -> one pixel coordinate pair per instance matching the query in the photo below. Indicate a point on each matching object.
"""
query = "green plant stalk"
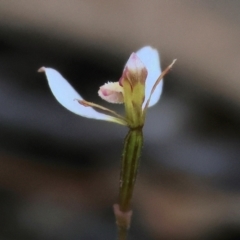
(129, 169)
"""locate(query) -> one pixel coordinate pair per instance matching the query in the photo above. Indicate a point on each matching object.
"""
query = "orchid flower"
(139, 87)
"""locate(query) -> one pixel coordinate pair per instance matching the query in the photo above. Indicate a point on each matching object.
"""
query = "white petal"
(67, 96)
(150, 58)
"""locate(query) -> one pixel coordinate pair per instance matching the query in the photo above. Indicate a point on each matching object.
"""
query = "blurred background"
(59, 172)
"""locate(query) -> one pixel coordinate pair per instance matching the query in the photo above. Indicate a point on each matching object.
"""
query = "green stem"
(129, 168)
(130, 162)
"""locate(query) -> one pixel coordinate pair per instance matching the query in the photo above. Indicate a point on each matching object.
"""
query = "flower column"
(133, 83)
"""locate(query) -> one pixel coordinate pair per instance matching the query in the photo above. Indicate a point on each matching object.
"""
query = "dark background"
(59, 172)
